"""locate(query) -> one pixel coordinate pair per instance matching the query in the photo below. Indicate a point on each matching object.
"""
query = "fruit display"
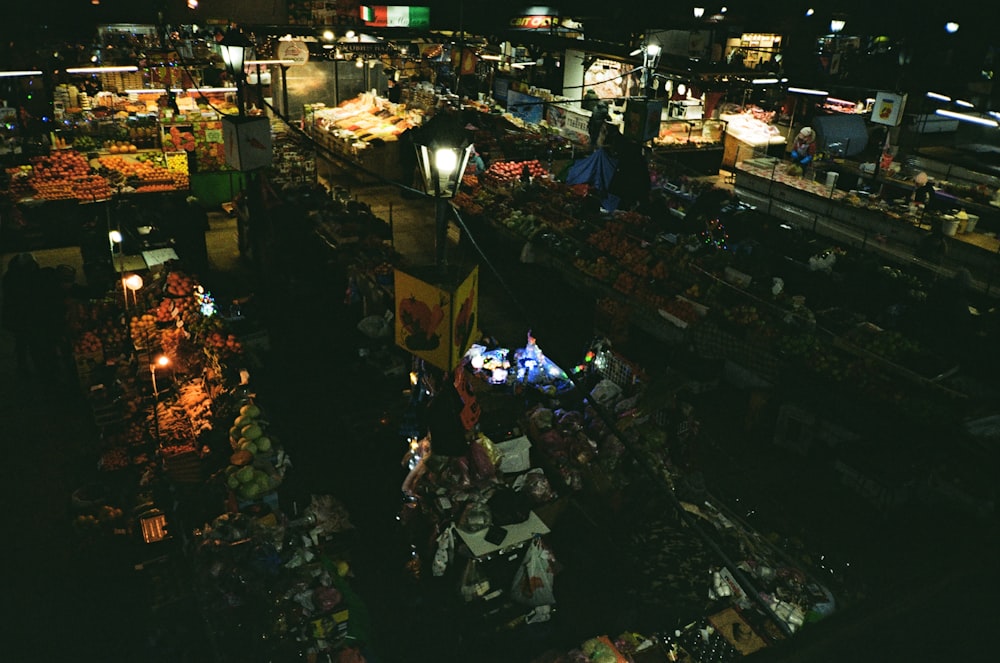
(88, 343)
(55, 177)
(179, 284)
(508, 172)
(143, 330)
(137, 173)
(250, 473)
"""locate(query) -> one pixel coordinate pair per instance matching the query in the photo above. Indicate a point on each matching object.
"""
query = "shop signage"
(888, 108)
(247, 142)
(365, 48)
(570, 121)
(295, 51)
(642, 120)
(525, 106)
(394, 16)
(536, 18)
(536, 22)
(433, 323)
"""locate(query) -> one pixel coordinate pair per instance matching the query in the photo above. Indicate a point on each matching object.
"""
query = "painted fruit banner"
(465, 325)
(434, 324)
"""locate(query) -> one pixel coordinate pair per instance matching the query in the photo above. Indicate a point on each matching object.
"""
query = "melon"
(250, 410)
(263, 443)
(252, 431)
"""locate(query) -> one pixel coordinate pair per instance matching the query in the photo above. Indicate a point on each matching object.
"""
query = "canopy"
(597, 170)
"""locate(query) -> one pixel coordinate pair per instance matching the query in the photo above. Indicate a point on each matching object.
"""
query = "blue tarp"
(597, 170)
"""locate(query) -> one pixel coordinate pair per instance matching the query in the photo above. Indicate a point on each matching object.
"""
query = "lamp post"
(134, 283)
(236, 51)
(443, 150)
(161, 361)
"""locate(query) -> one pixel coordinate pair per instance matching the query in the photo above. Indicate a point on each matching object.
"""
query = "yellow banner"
(465, 325)
(423, 320)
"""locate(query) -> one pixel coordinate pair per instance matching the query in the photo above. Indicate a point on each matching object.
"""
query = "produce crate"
(87, 364)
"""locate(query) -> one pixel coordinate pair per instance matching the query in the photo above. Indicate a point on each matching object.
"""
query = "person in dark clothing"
(19, 286)
(394, 93)
(444, 422)
(596, 125)
(189, 236)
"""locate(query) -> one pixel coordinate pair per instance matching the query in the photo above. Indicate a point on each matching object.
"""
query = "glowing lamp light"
(653, 50)
(836, 25)
(964, 103)
(21, 72)
(192, 4)
(133, 282)
(939, 97)
(951, 27)
(328, 35)
(162, 361)
(964, 117)
(359, 63)
(115, 237)
(810, 11)
(699, 12)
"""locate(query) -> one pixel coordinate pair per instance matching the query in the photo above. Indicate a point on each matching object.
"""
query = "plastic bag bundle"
(445, 551)
(476, 517)
(535, 486)
(534, 579)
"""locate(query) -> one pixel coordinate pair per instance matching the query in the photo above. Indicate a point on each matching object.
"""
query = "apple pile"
(511, 171)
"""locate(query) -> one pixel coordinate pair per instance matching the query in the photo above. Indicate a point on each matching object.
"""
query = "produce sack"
(535, 577)
(475, 517)
(535, 486)
(481, 454)
(605, 392)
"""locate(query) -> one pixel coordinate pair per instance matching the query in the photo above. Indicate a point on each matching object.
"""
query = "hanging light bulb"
(951, 27)
(359, 63)
(699, 12)
(810, 11)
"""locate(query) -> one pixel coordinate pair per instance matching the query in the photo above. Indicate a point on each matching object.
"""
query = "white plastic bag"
(535, 577)
(445, 551)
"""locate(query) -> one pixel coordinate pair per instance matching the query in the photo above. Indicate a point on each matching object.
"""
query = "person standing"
(20, 283)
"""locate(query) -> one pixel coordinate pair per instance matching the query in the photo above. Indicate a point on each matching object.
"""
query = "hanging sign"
(436, 324)
(536, 18)
(642, 120)
(888, 108)
(393, 16)
(247, 142)
(295, 51)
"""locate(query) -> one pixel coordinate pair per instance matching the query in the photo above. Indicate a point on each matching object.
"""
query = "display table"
(842, 214)
(517, 534)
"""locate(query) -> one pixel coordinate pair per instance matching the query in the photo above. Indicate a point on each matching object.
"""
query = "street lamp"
(134, 283)
(236, 50)
(161, 361)
(443, 151)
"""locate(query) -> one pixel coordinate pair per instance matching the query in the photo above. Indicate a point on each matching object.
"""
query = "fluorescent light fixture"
(965, 117)
(487, 56)
(265, 62)
(526, 63)
(995, 114)
(764, 81)
(807, 90)
(841, 101)
(101, 70)
(939, 97)
(964, 103)
(635, 52)
(178, 90)
(23, 72)
(836, 25)
(329, 47)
